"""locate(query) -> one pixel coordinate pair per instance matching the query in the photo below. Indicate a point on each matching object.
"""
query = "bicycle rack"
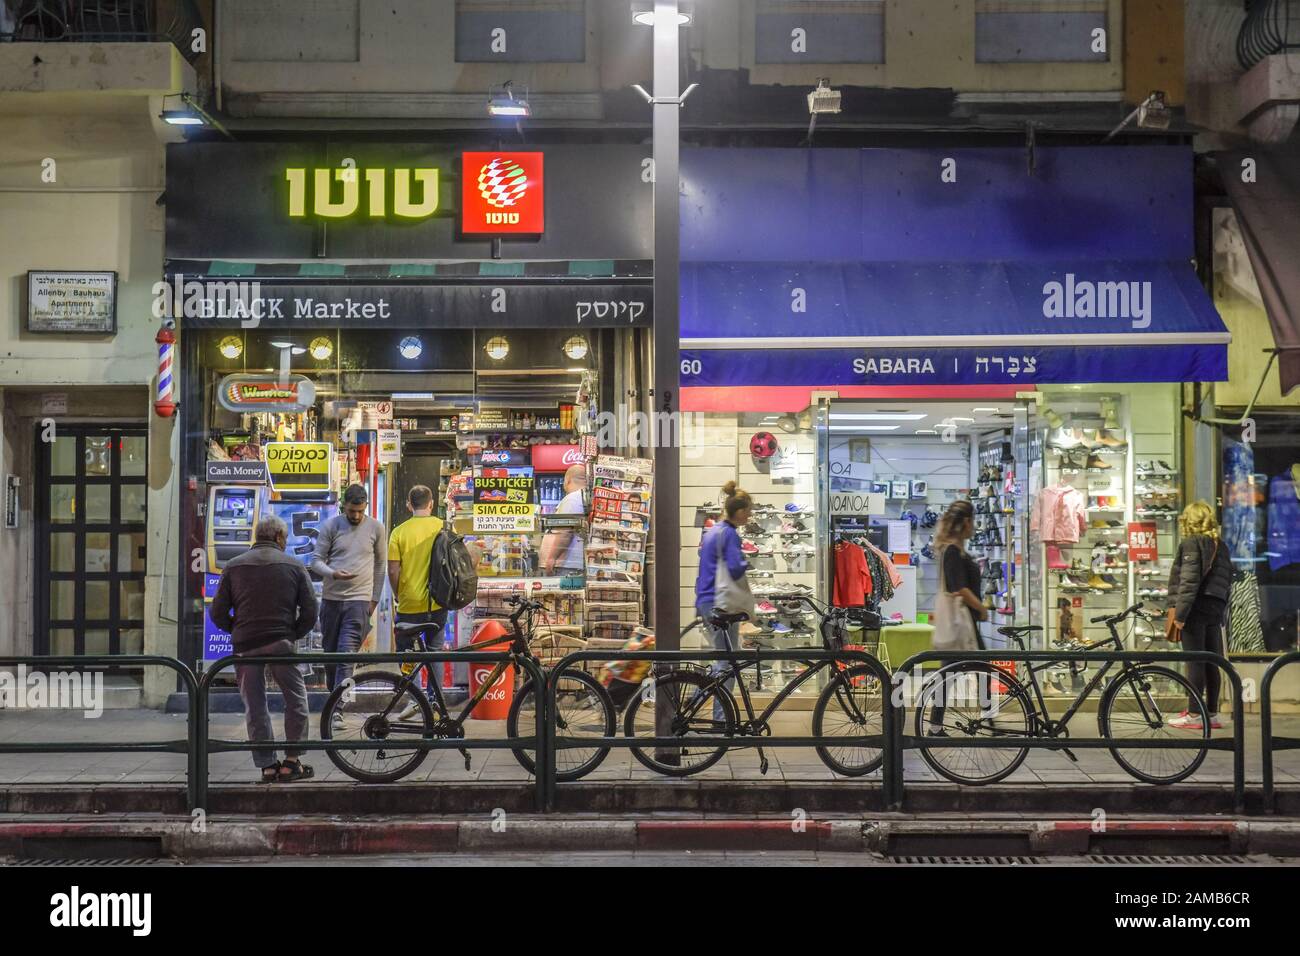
(1237, 743)
(537, 743)
(1268, 742)
(555, 743)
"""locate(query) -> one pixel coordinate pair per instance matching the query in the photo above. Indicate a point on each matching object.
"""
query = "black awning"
(1268, 208)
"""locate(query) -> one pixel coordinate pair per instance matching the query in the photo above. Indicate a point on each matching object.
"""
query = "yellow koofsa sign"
(299, 465)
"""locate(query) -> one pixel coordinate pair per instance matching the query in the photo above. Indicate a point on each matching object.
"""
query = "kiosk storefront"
(911, 327)
(394, 315)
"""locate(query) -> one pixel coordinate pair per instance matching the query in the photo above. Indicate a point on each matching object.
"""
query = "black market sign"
(457, 304)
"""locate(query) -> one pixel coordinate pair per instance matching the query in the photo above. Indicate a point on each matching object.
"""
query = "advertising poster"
(504, 502)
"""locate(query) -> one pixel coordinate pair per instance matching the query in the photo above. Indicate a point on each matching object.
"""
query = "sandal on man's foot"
(291, 770)
(270, 773)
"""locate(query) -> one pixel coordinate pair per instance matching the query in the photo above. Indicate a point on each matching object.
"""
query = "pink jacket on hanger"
(1059, 514)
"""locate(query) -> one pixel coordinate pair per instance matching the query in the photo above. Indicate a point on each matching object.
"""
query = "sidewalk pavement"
(787, 765)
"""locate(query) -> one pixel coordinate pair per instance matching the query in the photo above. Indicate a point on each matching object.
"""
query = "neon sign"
(339, 193)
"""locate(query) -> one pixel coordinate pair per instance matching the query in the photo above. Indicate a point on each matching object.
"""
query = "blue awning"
(909, 323)
(948, 267)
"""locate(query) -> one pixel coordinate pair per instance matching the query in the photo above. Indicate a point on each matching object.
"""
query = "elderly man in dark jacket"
(265, 601)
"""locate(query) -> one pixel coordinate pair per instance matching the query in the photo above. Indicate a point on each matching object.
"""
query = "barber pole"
(163, 404)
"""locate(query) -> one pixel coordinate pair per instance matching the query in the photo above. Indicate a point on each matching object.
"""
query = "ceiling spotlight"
(188, 113)
(823, 99)
(410, 347)
(576, 347)
(1152, 113)
(503, 102)
(497, 348)
(289, 347)
(320, 348)
(231, 347)
(643, 12)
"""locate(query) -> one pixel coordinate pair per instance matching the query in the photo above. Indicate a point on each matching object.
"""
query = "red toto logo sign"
(556, 457)
(501, 193)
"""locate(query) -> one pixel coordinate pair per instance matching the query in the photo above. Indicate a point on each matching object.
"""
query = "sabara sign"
(502, 193)
(299, 466)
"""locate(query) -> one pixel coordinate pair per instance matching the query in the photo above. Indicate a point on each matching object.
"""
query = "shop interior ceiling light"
(321, 348)
(410, 347)
(879, 416)
(643, 13)
(576, 348)
(497, 348)
(231, 347)
(293, 349)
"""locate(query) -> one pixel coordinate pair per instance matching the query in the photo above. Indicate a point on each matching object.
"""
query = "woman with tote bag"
(957, 607)
(721, 581)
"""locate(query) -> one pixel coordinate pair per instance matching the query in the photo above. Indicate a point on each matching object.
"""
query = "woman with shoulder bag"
(721, 582)
(1199, 585)
(957, 607)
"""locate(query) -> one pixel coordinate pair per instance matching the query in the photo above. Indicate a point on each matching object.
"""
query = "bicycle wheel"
(851, 705)
(377, 706)
(1137, 705)
(974, 699)
(691, 700)
(583, 709)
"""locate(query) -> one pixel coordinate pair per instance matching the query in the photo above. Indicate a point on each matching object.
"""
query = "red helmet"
(763, 445)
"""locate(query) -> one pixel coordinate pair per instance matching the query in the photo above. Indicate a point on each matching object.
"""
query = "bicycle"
(991, 702)
(381, 705)
(850, 705)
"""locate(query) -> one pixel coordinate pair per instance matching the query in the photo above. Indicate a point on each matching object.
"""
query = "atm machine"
(233, 512)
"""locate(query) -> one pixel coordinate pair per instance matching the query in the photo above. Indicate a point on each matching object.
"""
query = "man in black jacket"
(265, 601)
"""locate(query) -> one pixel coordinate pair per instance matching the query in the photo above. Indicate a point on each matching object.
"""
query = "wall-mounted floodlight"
(503, 102)
(643, 12)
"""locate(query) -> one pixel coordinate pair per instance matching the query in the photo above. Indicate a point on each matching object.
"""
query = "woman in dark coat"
(1199, 585)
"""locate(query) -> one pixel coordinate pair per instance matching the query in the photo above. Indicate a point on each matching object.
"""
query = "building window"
(523, 31)
(823, 32)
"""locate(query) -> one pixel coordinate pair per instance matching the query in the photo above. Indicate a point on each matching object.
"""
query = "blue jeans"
(719, 637)
(433, 641)
(343, 626)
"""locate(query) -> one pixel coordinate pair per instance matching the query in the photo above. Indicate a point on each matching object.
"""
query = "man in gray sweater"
(351, 557)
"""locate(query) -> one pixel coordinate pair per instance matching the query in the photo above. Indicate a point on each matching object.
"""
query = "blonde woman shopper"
(1199, 585)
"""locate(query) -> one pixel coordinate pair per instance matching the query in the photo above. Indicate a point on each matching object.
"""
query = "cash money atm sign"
(299, 465)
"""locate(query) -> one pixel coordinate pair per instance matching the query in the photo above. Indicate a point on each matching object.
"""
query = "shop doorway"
(91, 502)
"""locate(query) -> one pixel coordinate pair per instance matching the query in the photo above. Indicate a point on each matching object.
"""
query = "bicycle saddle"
(1014, 630)
(724, 619)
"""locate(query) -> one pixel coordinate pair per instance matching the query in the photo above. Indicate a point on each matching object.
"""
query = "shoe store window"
(1106, 493)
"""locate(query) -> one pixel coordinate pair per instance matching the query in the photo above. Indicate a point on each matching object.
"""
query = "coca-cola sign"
(556, 457)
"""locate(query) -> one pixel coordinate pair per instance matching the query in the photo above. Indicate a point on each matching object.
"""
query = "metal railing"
(555, 743)
(1236, 744)
(1268, 743)
(101, 21)
(546, 740)
(206, 745)
(80, 663)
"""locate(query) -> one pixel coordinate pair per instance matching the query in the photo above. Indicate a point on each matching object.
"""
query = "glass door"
(91, 506)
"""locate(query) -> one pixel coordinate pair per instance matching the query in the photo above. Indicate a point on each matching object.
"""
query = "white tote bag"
(730, 596)
(954, 629)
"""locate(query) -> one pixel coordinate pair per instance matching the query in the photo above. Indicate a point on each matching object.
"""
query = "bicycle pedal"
(1070, 753)
(762, 766)
(465, 754)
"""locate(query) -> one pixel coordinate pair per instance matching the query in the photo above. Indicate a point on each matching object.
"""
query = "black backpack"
(453, 582)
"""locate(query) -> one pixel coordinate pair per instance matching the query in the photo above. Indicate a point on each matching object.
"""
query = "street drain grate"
(1202, 859)
(96, 861)
(964, 860)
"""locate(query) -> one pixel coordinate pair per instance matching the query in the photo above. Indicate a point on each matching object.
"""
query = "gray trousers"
(252, 688)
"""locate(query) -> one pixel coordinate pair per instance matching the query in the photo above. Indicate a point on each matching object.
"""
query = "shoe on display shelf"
(793, 526)
(1109, 439)
(765, 607)
(794, 509)
(1096, 582)
(755, 530)
(1097, 463)
(780, 627)
(749, 547)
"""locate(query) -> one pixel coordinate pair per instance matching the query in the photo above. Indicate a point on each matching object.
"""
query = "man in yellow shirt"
(410, 550)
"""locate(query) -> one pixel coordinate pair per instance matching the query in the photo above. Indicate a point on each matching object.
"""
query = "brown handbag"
(1175, 634)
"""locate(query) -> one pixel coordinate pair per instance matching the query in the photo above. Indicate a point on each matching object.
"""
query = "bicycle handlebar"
(1116, 618)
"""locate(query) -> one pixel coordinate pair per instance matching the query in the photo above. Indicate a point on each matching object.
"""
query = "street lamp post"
(667, 252)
